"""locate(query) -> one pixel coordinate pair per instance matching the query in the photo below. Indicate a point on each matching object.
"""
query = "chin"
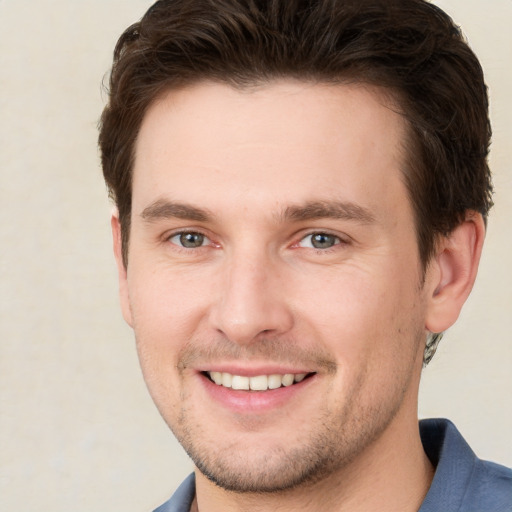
(268, 465)
(273, 471)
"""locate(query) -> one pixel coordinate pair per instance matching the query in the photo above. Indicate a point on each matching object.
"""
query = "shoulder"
(462, 482)
(490, 485)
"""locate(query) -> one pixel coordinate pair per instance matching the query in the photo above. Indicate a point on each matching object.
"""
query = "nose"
(250, 302)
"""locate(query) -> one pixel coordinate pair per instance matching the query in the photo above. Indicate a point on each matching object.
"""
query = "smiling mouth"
(257, 383)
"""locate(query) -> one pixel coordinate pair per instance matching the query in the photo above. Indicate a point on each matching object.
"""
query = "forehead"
(280, 143)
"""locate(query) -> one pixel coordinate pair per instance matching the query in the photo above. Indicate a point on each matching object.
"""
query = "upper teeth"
(258, 383)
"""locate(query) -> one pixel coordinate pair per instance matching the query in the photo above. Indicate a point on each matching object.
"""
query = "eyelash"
(338, 241)
(184, 233)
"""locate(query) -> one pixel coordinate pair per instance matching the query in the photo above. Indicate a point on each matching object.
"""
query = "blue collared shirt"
(462, 482)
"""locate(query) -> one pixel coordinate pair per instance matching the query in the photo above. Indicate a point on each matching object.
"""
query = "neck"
(393, 474)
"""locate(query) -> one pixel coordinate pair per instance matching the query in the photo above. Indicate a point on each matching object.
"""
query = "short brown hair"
(410, 47)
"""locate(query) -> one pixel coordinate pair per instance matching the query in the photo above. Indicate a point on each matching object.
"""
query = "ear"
(124, 295)
(452, 272)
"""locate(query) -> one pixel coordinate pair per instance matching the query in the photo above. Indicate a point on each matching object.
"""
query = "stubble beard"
(321, 447)
(331, 443)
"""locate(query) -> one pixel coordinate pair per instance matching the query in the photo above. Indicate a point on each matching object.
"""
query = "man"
(301, 192)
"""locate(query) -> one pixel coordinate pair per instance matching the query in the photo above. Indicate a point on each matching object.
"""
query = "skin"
(240, 169)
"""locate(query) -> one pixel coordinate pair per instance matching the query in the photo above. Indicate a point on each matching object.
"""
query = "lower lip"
(247, 402)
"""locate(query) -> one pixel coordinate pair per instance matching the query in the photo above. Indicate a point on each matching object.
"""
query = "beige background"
(78, 431)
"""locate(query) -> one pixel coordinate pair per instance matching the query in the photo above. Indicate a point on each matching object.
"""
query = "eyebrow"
(329, 209)
(163, 209)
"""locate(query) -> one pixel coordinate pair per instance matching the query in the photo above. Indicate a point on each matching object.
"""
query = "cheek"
(167, 303)
(167, 310)
(363, 318)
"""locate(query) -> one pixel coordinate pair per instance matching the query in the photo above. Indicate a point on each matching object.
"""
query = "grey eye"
(322, 240)
(189, 240)
(319, 241)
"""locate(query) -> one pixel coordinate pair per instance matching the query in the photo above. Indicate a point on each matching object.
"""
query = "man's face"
(272, 241)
